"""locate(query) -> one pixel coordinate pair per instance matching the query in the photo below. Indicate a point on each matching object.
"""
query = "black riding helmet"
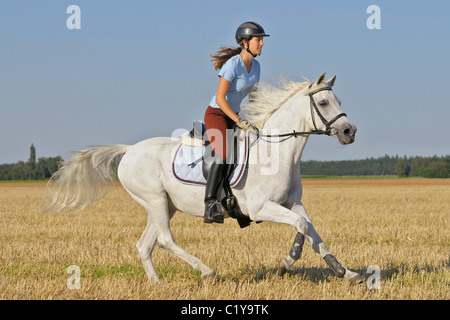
(247, 30)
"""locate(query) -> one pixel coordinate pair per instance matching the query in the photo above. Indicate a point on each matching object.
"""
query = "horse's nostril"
(347, 131)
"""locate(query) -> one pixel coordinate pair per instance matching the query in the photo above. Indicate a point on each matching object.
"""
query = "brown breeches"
(217, 123)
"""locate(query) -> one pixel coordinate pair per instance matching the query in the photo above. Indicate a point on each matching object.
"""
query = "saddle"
(193, 158)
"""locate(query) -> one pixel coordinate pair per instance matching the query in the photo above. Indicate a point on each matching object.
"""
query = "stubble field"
(398, 225)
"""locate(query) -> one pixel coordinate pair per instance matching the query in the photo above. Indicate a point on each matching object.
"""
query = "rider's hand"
(243, 124)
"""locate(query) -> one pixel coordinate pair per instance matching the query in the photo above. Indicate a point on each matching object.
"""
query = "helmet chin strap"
(248, 50)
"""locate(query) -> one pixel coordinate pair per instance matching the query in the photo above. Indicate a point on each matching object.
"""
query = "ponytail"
(223, 55)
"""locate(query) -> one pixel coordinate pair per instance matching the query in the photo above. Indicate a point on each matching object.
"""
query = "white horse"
(145, 172)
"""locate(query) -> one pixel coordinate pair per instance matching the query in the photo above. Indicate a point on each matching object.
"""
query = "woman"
(239, 73)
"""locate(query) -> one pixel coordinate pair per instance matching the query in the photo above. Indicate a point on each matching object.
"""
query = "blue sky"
(140, 69)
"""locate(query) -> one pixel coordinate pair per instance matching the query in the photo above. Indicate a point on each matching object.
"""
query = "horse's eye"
(323, 103)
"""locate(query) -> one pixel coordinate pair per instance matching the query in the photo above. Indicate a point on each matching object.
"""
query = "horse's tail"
(82, 179)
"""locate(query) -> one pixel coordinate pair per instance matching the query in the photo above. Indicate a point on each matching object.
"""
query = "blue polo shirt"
(241, 81)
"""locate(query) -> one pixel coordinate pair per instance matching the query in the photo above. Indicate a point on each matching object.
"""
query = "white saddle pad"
(186, 171)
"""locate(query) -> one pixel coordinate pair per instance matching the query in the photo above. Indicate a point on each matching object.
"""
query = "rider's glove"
(243, 124)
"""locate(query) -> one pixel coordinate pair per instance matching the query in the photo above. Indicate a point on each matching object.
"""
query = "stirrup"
(231, 206)
(212, 213)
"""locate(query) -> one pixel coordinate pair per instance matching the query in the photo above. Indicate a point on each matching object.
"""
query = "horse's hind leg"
(145, 247)
(158, 229)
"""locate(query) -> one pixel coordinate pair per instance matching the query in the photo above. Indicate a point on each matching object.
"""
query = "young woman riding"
(239, 73)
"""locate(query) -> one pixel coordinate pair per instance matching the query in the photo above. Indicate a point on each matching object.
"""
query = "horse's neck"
(292, 115)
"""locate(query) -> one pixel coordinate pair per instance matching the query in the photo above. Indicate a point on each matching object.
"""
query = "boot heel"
(213, 213)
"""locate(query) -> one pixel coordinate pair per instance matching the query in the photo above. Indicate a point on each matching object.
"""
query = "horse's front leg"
(313, 238)
(298, 218)
(274, 212)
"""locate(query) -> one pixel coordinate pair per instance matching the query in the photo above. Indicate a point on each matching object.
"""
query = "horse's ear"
(330, 82)
(321, 78)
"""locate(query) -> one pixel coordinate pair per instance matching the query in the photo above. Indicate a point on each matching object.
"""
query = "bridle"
(327, 124)
(313, 108)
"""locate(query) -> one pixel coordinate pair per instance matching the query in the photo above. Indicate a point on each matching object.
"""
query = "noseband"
(313, 108)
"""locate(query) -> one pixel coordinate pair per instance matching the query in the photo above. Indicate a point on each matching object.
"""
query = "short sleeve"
(228, 71)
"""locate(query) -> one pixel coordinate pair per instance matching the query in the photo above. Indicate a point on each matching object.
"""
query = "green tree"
(30, 165)
(30, 170)
(402, 169)
(32, 154)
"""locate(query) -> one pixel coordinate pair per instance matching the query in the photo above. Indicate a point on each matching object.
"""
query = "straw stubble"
(398, 225)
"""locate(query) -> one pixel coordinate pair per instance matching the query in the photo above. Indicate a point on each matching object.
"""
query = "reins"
(313, 108)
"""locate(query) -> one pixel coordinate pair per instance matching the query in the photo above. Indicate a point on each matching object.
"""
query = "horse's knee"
(302, 225)
(144, 250)
(166, 242)
(138, 248)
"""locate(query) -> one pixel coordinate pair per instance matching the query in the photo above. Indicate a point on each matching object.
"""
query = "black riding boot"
(212, 213)
(230, 203)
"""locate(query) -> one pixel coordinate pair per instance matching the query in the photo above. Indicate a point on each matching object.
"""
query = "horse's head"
(326, 113)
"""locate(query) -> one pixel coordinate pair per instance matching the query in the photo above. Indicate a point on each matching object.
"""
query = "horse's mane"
(268, 98)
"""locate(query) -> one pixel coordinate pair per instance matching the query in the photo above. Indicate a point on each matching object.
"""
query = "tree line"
(41, 169)
(427, 167)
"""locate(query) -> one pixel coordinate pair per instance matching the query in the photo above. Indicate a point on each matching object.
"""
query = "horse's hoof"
(354, 278)
(282, 269)
(209, 277)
